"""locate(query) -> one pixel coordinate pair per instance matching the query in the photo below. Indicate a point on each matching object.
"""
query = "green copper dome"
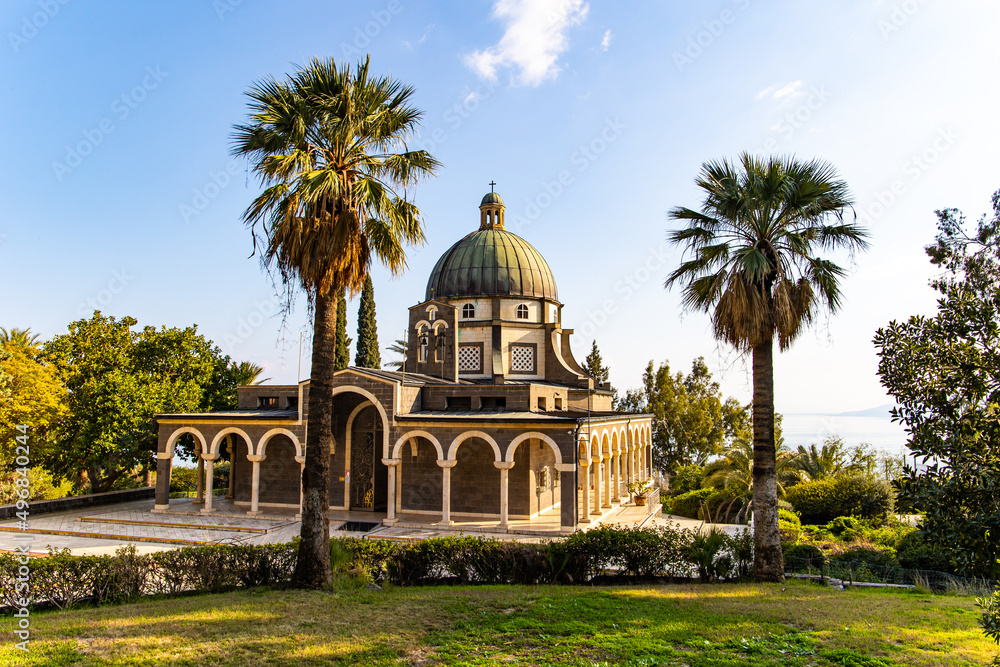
(492, 262)
(491, 198)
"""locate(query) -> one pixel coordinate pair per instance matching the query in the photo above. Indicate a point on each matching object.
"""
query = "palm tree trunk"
(313, 567)
(768, 564)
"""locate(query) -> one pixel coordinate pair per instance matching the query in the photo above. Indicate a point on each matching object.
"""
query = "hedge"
(688, 504)
(823, 500)
(63, 581)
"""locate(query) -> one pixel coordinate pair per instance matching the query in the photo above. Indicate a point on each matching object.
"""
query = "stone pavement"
(102, 530)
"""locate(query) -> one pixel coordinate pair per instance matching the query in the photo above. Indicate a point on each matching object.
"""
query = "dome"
(492, 262)
(491, 198)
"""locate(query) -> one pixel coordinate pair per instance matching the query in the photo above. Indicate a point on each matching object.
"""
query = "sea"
(878, 431)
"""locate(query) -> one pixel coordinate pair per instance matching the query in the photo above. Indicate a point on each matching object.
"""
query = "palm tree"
(329, 145)
(398, 347)
(734, 470)
(819, 462)
(247, 374)
(754, 266)
(22, 338)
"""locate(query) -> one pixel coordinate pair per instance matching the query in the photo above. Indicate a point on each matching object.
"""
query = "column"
(585, 477)
(301, 460)
(596, 475)
(199, 494)
(209, 471)
(616, 480)
(446, 467)
(255, 459)
(606, 479)
(231, 448)
(162, 481)
(504, 467)
(567, 497)
(390, 516)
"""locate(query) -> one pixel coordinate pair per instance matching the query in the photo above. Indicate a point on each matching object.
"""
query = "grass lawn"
(741, 624)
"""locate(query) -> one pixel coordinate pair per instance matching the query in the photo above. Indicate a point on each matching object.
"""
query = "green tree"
(31, 393)
(754, 265)
(688, 421)
(733, 471)
(342, 356)
(329, 145)
(118, 379)
(824, 461)
(594, 365)
(368, 355)
(944, 371)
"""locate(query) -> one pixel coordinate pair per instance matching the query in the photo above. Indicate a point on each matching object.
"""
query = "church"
(490, 419)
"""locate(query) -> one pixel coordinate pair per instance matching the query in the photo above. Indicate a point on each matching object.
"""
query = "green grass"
(700, 626)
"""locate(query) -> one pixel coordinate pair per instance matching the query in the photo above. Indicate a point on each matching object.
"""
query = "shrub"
(688, 504)
(821, 501)
(915, 553)
(789, 524)
(866, 555)
(797, 555)
(687, 478)
(707, 552)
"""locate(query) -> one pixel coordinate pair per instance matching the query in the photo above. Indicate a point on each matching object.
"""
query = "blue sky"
(119, 192)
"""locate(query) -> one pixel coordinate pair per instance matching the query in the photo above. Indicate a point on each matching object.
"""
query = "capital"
(300, 459)
(210, 457)
(566, 467)
(447, 463)
(391, 462)
(256, 458)
(164, 456)
(504, 465)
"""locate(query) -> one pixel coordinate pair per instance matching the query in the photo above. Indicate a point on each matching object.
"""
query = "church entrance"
(368, 475)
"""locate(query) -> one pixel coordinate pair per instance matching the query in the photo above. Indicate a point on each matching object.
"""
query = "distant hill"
(881, 411)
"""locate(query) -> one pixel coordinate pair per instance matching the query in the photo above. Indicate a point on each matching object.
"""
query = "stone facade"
(490, 417)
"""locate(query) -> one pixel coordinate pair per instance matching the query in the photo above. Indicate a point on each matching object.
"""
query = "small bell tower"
(491, 210)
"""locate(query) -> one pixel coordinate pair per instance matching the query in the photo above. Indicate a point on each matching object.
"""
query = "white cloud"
(423, 37)
(778, 92)
(606, 40)
(534, 37)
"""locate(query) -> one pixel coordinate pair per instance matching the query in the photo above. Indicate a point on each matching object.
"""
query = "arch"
(432, 312)
(595, 447)
(409, 435)
(172, 440)
(421, 325)
(264, 439)
(438, 324)
(538, 436)
(469, 311)
(474, 434)
(616, 442)
(214, 449)
(350, 421)
(584, 448)
(378, 406)
(605, 443)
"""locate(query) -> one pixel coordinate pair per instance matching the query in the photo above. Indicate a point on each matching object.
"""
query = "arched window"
(422, 344)
(521, 312)
(468, 311)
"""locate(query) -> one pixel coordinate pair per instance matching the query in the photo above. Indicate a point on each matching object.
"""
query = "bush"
(866, 555)
(688, 504)
(789, 524)
(800, 555)
(687, 478)
(915, 553)
(823, 500)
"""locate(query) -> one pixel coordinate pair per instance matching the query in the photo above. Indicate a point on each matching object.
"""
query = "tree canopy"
(944, 371)
(368, 354)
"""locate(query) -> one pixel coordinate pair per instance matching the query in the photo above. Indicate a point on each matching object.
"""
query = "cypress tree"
(368, 355)
(342, 358)
(594, 365)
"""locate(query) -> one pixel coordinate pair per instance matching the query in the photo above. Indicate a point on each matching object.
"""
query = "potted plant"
(635, 489)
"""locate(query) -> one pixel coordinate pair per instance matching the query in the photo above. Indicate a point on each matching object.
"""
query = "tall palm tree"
(329, 145)
(734, 470)
(247, 374)
(753, 264)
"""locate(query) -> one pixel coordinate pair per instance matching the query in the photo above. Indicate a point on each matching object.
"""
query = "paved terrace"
(102, 530)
